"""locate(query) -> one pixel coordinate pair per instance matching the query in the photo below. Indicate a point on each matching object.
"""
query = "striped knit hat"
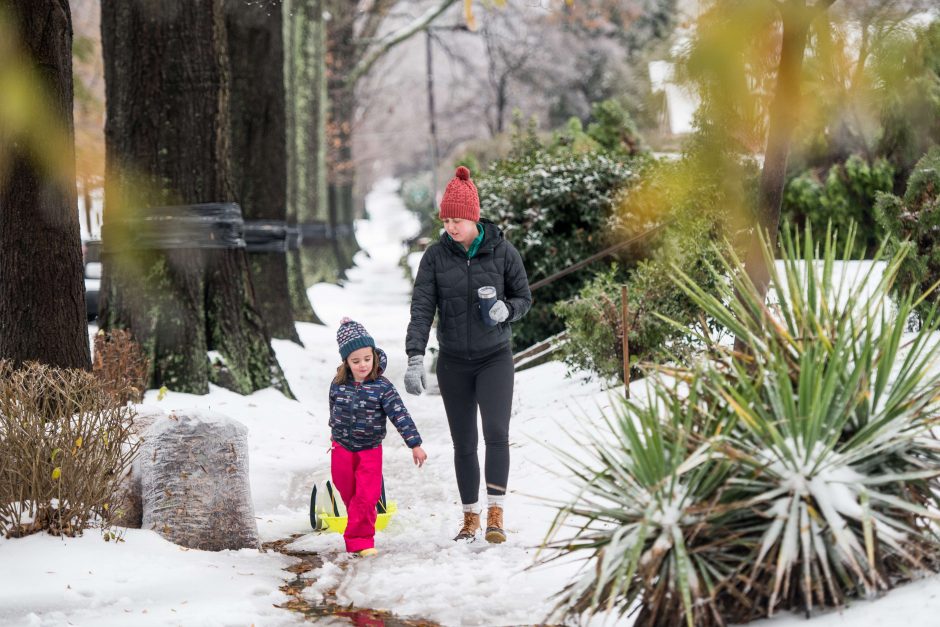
(460, 198)
(352, 336)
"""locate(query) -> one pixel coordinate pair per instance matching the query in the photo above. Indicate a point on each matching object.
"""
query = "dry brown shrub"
(65, 442)
(121, 365)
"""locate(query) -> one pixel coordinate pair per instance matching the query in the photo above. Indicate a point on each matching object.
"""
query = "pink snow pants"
(358, 477)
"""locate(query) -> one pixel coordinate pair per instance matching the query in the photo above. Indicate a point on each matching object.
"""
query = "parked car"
(91, 256)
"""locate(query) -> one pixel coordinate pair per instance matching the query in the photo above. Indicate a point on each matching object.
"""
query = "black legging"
(465, 384)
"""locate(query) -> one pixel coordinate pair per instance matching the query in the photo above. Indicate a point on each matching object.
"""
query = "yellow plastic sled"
(338, 523)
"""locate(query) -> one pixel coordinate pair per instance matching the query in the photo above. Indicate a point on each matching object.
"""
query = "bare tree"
(510, 48)
(795, 18)
(356, 41)
(307, 207)
(258, 138)
(42, 293)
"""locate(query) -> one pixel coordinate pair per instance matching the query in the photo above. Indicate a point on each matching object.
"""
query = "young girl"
(360, 401)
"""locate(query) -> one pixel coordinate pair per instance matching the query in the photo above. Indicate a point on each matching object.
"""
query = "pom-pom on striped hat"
(352, 336)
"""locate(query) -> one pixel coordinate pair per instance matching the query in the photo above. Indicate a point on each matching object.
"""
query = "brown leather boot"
(494, 525)
(471, 524)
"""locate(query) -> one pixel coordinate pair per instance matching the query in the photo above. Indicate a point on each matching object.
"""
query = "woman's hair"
(343, 373)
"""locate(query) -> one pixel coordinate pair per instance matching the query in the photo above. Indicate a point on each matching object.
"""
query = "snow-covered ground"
(420, 571)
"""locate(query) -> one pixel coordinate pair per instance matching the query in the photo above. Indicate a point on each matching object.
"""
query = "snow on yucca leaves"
(646, 515)
(820, 467)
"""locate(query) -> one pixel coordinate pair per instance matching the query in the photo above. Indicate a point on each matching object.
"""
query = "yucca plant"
(816, 443)
(647, 514)
(834, 404)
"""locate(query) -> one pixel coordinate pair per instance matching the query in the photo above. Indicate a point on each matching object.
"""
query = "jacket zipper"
(469, 311)
(358, 387)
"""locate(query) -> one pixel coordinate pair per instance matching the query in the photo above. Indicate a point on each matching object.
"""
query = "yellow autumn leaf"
(78, 442)
(56, 473)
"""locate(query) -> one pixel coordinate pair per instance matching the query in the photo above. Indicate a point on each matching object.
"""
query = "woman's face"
(360, 363)
(461, 231)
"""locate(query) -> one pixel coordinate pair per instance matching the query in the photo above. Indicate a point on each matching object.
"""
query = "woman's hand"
(499, 312)
(415, 381)
(418, 454)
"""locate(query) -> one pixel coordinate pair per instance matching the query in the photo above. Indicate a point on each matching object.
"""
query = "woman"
(475, 366)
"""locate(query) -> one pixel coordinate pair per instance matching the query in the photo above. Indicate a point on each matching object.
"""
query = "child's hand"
(418, 454)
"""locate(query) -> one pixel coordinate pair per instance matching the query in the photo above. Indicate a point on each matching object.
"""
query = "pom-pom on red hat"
(460, 197)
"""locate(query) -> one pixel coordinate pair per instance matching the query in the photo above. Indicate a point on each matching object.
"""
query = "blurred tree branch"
(372, 52)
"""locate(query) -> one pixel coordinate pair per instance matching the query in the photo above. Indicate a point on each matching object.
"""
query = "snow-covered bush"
(65, 442)
(914, 223)
(121, 365)
(554, 204)
(795, 476)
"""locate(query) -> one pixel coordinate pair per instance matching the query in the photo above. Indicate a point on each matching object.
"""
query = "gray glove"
(499, 312)
(415, 382)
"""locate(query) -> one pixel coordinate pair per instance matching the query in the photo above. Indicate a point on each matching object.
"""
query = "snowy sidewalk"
(420, 572)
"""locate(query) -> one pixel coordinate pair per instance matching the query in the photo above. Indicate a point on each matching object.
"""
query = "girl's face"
(360, 363)
(461, 231)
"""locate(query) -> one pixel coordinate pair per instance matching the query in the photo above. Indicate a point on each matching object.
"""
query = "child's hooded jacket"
(358, 412)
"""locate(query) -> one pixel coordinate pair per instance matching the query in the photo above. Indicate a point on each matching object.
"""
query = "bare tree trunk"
(259, 151)
(305, 63)
(432, 113)
(784, 113)
(42, 292)
(341, 173)
(167, 144)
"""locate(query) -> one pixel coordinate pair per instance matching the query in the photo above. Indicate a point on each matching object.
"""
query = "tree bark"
(42, 291)
(305, 64)
(258, 140)
(167, 143)
(341, 173)
(784, 113)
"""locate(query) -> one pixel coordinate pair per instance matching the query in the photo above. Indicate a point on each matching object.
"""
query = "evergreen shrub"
(914, 224)
(844, 194)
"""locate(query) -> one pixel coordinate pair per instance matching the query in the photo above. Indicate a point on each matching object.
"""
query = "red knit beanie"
(460, 198)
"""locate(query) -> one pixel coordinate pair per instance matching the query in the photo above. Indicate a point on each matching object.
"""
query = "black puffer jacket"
(447, 283)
